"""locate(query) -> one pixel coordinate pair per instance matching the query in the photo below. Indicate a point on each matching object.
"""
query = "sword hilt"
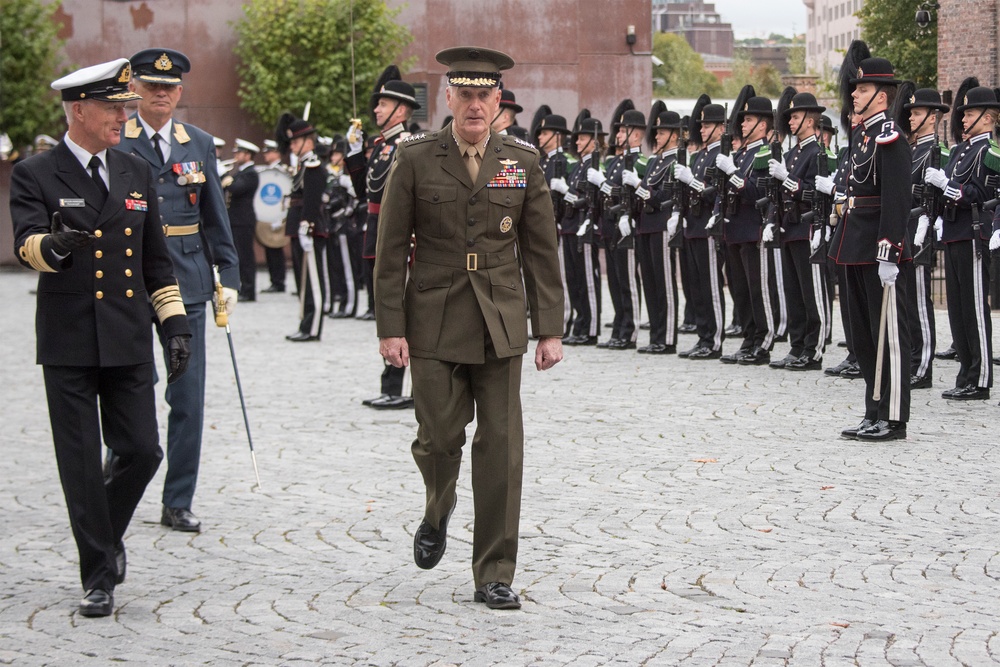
(221, 316)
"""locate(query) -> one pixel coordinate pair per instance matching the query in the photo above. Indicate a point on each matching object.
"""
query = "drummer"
(271, 216)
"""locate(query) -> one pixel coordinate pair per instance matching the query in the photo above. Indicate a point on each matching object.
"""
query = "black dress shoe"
(756, 357)
(429, 544)
(180, 519)
(498, 595)
(621, 344)
(97, 602)
(804, 363)
(949, 353)
(781, 338)
(644, 326)
(121, 562)
(392, 403)
(705, 353)
(301, 337)
(852, 372)
(606, 344)
(586, 340)
(340, 315)
(921, 382)
(687, 353)
(687, 328)
(734, 358)
(240, 298)
(841, 343)
(655, 348)
(781, 363)
(368, 316)
(853, 432)
(967, 393)
(883, 430)
(734, 330)
(835, 371)
(369, 401)
(273, 289)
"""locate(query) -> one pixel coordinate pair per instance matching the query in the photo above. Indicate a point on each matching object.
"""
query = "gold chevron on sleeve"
(31, 252)
(167, 302)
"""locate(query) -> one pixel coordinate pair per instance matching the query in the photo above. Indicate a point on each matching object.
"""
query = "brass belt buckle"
(850, 202)
(472, 262)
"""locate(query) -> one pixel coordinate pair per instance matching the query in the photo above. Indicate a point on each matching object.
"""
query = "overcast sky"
(759, 18)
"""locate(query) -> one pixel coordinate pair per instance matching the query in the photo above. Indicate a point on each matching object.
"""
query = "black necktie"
(156, 147)
(95, 173)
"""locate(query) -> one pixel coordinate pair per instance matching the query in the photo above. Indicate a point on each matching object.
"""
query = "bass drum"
(270, 204)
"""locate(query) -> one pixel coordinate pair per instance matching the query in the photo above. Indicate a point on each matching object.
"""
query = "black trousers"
(864, 305)
(920, 310)
(243, 239)
(623, 283)
(343, 269)
(776, 291)
(709, 304)
(967, 279)
(313, 291)
(745, 261)
(805, 295)
(575, 269)
(688, 280)
(656, 264)
(275, 258)
(297, 263)
(119, 402)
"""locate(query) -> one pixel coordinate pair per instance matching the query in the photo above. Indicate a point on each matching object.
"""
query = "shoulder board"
(888, 134)
(520, 143)
(413, 138)
(991, 159)
(312, 162)
(132, 128)
(180, 134)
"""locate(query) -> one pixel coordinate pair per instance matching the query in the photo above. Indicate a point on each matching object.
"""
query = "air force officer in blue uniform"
(193, 212)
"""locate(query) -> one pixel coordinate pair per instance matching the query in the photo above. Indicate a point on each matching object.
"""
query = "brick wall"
(967, 42)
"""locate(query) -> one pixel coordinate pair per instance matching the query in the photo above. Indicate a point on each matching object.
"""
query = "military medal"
(188, 173)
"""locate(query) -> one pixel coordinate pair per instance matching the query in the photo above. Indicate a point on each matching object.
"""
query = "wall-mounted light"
(630, 35)
(923, 17)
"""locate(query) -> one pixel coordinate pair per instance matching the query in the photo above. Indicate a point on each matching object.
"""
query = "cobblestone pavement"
(675, 513)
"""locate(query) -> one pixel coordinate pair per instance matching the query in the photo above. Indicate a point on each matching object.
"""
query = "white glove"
(711, 221)
(631, 178)
(824, 184)
(683, 174)
(725, 163)
(923, 222)
(559, 185)
(229, 299)
(353, 135)
(995, 240)
(829, 234)
(275, 226)
(936, 177)
(642, 193)
(304, 239)
(345, 181)
(939, 227)
(816, 239)
(583, 228)
(672, 224)
(768, 235)
(571, 198)
(595, 177)
(624, 225)
(777, 170)
(887, 272)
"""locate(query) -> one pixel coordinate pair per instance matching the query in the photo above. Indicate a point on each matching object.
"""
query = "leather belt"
(864, 202)
(180, 230)
(471, 261)
(373, 208)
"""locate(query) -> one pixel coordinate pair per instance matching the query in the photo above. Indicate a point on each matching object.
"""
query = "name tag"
(72, 203)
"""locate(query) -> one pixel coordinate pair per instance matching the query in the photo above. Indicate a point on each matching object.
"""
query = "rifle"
(818, 217)
(593, 206)
(721, 179)
(930, 205)
(771, 202)
(680, 193)
(627, 205)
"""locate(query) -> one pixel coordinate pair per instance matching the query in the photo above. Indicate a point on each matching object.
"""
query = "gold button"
(128, 231)
(128, 272)
(98, 254)
(128, 252)
(100, 274)
(100, 295)
(98, 233)
(128, 293)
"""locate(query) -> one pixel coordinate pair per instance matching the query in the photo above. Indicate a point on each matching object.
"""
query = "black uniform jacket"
(369, 179)
(798, 188)
(967, 190)
(93, 305)
(239, 196)
(658, 181)
(574, 214)
(703, 197)
(748, 184)
(306, 198)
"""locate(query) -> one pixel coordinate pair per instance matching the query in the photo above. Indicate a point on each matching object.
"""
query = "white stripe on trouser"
(765, 288)
(979, 289)
(312, 274)
(588, 265)
(345, 258)
(895, 356)
(925, 322)
(713, 268)
(567, 307)
(819, 294)
(779, 278)
(324, 276)
(668, 276)
(633, 286)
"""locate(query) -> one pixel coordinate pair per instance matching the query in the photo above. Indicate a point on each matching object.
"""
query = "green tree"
(797, 58)
(297, 51)
(765, 79)
(30, 45)
(683, 71)
(888, 28)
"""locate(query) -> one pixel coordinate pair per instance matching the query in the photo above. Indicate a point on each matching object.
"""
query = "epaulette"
(991, 159)
(414, 138)
(312, 162)
(888, 134)
(761, 158)
(132, 128)
(508, 140)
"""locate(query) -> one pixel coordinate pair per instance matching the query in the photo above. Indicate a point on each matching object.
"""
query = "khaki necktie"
(472, 162)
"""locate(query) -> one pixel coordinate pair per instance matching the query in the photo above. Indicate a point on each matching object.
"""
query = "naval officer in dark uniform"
(87, 219)
(240, 185)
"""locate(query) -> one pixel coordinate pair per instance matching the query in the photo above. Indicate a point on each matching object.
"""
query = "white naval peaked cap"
(219, 143)
(107, 82)
(244, 145)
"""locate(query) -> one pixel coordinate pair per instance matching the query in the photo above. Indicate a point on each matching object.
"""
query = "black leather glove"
(63, 243)
(179, 351)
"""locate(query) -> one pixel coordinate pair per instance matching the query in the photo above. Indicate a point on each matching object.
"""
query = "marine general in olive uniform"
(481, 213)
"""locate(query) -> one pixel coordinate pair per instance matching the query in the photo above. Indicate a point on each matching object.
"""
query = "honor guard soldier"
(656, 257)
(923, 111)
(708, 121)
(747, 171)
(274, 257)
(393, 102)
(193, 211)
(581, 254)
(805, 292)
(240, 185)
(481, 213)
(967, 183)
(624, 174)
(556, 165)
(506, 117)
(343, 249)
(87, 219)
(871, 242)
